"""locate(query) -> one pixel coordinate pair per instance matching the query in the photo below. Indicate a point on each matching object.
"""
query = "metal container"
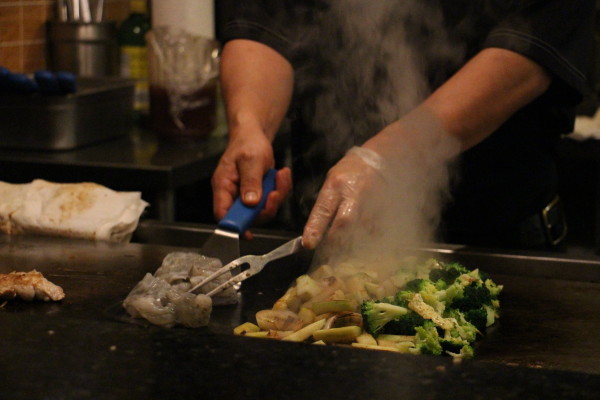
(85, 49)
(101, 108)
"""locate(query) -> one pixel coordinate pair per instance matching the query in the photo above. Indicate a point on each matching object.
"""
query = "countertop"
(86, 347)
(139, 161)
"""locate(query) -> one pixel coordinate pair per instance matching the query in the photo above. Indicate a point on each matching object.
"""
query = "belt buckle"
(548, 224)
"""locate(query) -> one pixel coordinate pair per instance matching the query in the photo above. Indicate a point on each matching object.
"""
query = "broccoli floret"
(427, 340)
(403, 297)
(458, 340)
(464, 330)
(470, 297)
(448, 273)
(494, 289)
(452, 346)
(440, 284)
(465, 351)
(430, 293)
(466, 301)
(478, 317)
(421, 286)
(404, 325)
(377, 314)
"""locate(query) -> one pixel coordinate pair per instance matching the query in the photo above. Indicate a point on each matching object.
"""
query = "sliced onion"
(278, 320)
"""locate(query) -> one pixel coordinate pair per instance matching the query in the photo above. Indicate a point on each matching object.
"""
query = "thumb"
(251, 178)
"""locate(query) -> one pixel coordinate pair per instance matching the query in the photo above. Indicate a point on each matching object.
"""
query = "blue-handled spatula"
(224, 243)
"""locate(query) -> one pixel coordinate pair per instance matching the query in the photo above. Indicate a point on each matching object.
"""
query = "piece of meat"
(183, 270)
(163, 298)
(29, 286)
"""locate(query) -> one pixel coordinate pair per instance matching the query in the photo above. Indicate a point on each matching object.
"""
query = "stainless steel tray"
(102, 108)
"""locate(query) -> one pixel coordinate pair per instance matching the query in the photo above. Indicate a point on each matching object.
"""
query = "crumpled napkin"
(586, 127)
(79, 210)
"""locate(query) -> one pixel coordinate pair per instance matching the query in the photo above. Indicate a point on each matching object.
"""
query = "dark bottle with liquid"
(134, 53)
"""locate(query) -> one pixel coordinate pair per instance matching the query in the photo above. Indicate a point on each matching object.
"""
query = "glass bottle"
(134, 52)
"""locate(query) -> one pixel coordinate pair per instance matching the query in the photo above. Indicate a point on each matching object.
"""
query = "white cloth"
(80, 210)
(586, 127)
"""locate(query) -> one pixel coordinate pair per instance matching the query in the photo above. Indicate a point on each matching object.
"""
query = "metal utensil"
(86, 14)
(62, 10)
(224, 243)
(256, 264)
(75, 10)
(99, 11)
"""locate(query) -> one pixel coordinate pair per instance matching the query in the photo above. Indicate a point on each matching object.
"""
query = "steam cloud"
(378, 60)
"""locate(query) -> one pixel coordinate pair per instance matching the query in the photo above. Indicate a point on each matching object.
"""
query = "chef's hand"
(240, 173)
(400, 159)
(338, 202)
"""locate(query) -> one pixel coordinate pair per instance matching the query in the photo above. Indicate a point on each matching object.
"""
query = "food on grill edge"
(440, 310)
(29, 286)
(163, 298)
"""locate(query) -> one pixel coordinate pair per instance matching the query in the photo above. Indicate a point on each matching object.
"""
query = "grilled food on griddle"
(441, 310)
(29, 286)
(163, 298)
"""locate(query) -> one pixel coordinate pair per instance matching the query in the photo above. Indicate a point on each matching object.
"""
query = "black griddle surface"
(544, 345)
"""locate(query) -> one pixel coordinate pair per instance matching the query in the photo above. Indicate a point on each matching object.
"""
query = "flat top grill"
(544, 345)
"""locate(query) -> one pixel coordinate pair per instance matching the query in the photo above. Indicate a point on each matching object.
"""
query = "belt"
(548, 227)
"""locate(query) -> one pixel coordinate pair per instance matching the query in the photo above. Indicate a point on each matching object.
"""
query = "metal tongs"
(256, 264)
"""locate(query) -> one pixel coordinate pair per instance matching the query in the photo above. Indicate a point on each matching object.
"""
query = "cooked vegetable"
(404, 325)
(279, 320)
(366, 338)
(306, 332)
(245, 328)
(440, 310)
(322, 307)
(346, 334)
(427, 339)
(377, 314)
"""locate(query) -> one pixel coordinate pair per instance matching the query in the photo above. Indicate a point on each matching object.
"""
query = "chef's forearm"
(485, 93)
(257, 86)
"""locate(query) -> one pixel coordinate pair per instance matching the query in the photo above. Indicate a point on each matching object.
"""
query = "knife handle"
(240, 216)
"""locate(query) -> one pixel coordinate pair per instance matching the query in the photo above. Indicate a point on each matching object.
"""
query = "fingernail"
(250, 196)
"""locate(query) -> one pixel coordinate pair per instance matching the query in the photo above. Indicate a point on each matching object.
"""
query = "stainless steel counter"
(137, 162)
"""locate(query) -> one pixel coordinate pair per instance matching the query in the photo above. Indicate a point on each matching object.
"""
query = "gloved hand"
(240, 172)
(394, 183)
(338, 202)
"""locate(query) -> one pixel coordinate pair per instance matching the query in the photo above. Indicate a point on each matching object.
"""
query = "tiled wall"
(23, 31)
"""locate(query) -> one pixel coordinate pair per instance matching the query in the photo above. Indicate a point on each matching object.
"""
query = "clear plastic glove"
(391, 186)
(338, 202)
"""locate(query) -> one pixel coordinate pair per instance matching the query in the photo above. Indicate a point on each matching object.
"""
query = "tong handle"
(240, 216)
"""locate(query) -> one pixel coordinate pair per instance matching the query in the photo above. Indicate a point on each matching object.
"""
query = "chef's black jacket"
(502, 181)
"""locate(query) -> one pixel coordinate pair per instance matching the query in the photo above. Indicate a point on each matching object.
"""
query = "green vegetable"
(472, 296)
(402, 298)
(448, 273)
(377, 314)
(427, 340)
(466, 300)
(322, 307)
(478, 317)
(404, 324)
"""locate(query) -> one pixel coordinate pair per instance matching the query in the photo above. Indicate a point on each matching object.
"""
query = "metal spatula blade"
(224, 243)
